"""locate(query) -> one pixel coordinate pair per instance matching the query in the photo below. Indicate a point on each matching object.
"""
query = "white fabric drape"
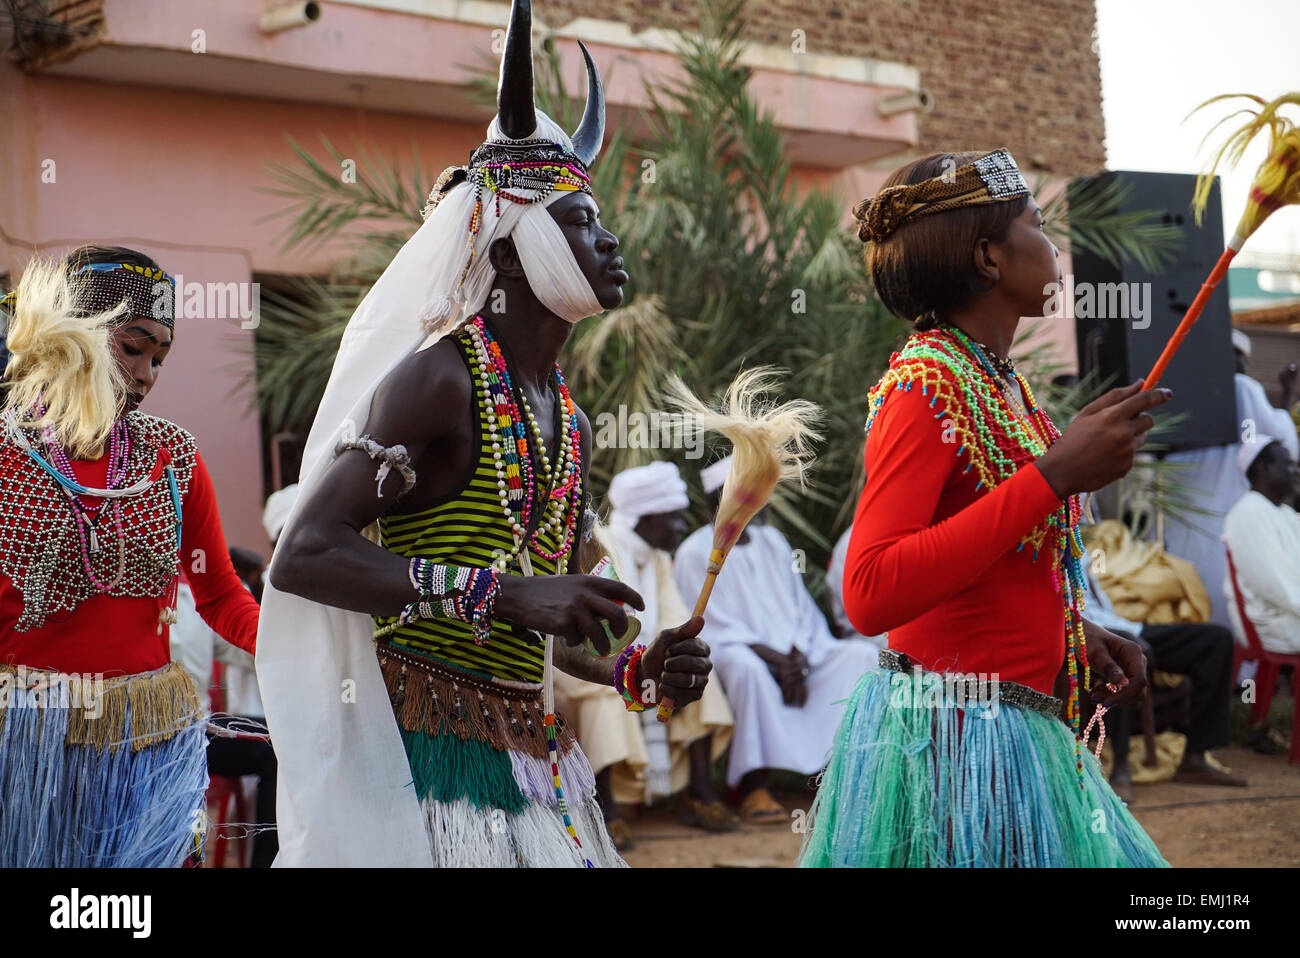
(345, 795)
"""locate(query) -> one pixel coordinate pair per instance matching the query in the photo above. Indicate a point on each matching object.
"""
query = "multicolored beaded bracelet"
(625, 672)
(463, 593)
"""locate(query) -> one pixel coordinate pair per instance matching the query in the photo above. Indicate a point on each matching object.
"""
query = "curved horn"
(516, 112)
(590, 134)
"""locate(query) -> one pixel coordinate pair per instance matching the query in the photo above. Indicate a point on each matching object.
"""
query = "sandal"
(711, 816)
(760, 808)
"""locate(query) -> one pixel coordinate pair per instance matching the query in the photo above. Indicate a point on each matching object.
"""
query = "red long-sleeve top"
(935, 562)
(118, 635)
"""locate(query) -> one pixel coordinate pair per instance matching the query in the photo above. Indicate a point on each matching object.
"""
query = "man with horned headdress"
(447, 434)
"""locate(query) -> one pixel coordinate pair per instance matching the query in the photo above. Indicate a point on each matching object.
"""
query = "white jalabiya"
(760, 599)
(345, 795)
(1216, 485)
(1264, 540)
(835, 588)
(648, 759)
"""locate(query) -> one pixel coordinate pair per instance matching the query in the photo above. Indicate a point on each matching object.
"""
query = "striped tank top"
(469, 529)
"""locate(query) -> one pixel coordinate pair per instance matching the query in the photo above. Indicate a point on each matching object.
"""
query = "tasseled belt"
(155, 705)
(428, 697)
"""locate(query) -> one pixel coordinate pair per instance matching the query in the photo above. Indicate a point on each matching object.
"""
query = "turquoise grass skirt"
(921, 777)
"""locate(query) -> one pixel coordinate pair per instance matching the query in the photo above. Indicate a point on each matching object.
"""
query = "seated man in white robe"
(635, 757)
(1214, 482)
(835, 590)
(1262, 533)
(786, 676)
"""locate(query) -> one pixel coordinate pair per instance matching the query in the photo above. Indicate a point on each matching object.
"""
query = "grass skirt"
(106, 774)
(489, 808)
(924, 776)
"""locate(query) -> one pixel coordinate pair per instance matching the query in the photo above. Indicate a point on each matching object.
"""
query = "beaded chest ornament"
(998, 440)
(518, 487)
(131, 578)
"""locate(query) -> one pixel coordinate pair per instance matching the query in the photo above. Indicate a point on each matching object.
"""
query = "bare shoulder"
(406, 404)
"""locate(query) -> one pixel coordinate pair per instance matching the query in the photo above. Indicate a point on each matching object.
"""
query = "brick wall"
(1015, 73)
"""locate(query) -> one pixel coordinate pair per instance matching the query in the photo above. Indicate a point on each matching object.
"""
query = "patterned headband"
(992, 178)
(538, 165)
(148, 292)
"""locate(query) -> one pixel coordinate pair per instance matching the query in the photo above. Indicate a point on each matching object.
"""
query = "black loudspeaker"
(1124, 315)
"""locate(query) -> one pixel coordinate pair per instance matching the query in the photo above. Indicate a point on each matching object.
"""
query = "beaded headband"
(534, 164)
(105, 285)
(992, 178)
(538, 165)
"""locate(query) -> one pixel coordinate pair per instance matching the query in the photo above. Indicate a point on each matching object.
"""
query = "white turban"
(646, 491)
(1241, 341)
(1248, 452)
(278, 507)
(715, 475)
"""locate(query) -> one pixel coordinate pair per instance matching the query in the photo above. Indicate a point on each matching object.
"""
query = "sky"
(1162, 58)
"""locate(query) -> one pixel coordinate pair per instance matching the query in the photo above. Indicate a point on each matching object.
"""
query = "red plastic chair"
(224, 792)
(1270, 667)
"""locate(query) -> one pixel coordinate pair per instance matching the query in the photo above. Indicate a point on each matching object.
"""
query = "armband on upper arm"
(388, 457)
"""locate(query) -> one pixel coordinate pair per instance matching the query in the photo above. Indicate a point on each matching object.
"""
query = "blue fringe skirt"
(101, 773)
(931, 771)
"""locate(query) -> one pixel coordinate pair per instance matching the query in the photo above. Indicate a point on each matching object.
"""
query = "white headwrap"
(1248, 452)
(712, 477)
(1241, 342)
(345, 795)
(645, 491)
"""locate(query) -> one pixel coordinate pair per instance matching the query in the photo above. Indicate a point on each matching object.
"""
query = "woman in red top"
(965, 550)
(102, 745)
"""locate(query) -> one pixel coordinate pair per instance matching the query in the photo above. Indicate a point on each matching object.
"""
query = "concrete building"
(151, 124)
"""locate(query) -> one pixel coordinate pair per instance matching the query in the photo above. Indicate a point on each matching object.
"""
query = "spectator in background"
(1262, 533)
(835, 588)
(786, 676)
(1202, 651)
(1215, 483)
(636, 757)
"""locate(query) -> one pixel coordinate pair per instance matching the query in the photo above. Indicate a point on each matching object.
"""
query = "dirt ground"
(1194, 826)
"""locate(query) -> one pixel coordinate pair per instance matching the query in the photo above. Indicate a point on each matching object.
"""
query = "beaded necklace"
(559, 493)
(998, 441)
(119, 452)
(517, 484)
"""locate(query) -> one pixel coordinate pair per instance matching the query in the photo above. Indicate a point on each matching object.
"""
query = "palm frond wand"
(1276, 184)
(770, 443)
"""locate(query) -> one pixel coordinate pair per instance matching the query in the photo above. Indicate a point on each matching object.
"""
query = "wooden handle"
(666, 703)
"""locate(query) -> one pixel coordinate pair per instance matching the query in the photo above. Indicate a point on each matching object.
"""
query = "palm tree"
(731, 267)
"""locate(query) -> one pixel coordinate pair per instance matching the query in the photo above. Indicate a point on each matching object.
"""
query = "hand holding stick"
(770, 443)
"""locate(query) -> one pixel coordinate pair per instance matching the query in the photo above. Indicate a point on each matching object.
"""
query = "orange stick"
(1193, 314)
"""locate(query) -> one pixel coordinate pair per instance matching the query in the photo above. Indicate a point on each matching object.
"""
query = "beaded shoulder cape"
(39, 546)
(997, 440)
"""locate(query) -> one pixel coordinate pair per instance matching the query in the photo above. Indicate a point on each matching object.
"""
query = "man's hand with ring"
(677, 664)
